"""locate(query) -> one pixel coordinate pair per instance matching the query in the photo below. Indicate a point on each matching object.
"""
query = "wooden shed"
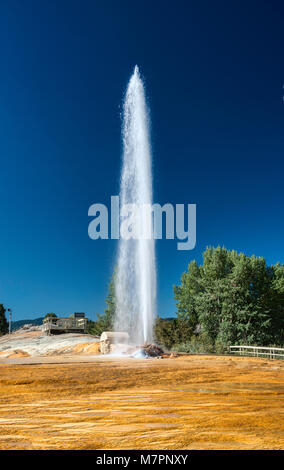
(112, 337)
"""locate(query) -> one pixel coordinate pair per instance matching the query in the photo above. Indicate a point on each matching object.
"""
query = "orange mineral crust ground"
(193, 402)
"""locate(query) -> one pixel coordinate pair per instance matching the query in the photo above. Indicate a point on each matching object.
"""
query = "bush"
(196, 345)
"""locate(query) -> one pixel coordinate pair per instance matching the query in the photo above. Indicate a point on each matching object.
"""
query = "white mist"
(135, 284)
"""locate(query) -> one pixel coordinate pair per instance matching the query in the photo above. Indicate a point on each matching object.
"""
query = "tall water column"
(135, 280)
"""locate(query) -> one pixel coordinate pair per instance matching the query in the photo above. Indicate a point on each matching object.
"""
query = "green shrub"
(200, 344)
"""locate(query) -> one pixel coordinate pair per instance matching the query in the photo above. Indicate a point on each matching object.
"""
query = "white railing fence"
(258, 351)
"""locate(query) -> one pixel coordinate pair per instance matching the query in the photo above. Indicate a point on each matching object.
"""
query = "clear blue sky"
(214, 74)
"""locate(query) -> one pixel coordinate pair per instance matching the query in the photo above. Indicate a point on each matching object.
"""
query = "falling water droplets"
(135, 284)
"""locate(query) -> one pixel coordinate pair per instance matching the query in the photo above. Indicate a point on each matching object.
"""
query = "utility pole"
(10, 320)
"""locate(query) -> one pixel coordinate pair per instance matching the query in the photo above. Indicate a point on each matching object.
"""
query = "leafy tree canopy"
(4, 326)
(233, 299)
(105, 321)
(50, 315)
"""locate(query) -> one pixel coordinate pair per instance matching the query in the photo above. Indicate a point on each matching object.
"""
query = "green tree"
(165, 332)
(277, 303)
(171, 331)
(90, 327)
(232, 299)
(50, 315)
(4, 326)
(105, 321)
(185, 295)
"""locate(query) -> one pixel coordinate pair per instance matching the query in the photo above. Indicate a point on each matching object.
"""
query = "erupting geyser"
(135, 284)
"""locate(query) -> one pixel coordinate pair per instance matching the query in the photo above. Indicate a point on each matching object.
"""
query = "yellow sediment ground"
(81, 348)
(87, 348)
(195, 402)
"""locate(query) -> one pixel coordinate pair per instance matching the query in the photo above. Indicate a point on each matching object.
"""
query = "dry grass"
(197, 402)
